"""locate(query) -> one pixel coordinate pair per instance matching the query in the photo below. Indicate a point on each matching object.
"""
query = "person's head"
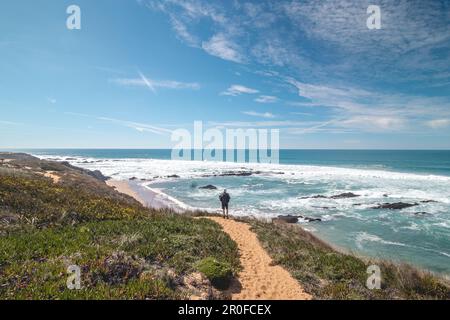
(224, 190)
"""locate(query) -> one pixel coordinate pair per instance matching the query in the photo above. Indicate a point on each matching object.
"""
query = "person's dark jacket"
(224, 198)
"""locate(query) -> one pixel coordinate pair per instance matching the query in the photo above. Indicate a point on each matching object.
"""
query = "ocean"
(304, 183)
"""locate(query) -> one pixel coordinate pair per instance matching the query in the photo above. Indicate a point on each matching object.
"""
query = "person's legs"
(223, 210)
(226, 207)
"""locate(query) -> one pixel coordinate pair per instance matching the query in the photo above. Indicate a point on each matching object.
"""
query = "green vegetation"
(218, 272)
(328, 274)
(124, 251)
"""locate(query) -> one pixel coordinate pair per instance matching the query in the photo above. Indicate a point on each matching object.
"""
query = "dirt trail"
(259, 279)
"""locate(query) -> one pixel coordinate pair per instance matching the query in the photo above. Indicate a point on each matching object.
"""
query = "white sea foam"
(190, 169)
(362, 237)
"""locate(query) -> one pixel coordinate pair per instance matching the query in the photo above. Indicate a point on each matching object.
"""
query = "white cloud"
(370, 110)
(220, 46)
(236, 90)
(151, 84)
(183, 33)
(266, 99)
(267, 115)
(438, 123)
(274, 33)
(373, 123)
(141, 127)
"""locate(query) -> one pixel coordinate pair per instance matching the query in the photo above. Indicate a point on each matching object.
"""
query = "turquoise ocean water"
(419, 235)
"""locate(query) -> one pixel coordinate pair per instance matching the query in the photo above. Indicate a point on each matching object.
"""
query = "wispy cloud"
(266, 99)
(138, 126)
(141, 127)
(283, 33)
(220, 46)
(267, 115)
(236, 90)
(370, 110)
(438, 123)
(153, 85)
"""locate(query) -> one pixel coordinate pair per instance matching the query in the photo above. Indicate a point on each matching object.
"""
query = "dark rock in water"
(234, 173)
(421, 213)
(286, 219)
(209, 187)
(173, 176)
(338, 196)
(395, 206)
(309, 219)
(133, 178)
(314, 197)
(238, 174)
(428, 201)
(326, 208)
(385, 195)
(344, 195)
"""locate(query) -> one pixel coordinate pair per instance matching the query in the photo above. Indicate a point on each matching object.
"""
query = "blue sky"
(138, 69)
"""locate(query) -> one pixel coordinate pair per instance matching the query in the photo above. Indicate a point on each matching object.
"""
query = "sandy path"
(259, 278)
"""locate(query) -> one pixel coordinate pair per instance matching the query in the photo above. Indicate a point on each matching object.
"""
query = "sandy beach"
(148, 197)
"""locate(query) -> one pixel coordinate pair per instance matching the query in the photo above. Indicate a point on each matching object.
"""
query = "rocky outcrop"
(395, 206)
(209, 187)
(338, 196)
(293, 219)
(309, 219)
(286, 219)
(344, 195)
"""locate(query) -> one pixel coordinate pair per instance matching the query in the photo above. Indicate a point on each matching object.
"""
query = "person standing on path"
(224, 198)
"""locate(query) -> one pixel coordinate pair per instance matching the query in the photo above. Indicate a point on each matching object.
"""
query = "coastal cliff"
(54, 215)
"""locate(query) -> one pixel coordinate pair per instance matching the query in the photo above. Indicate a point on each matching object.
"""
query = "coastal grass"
(219, 272)
(124, 251)
(328, 274)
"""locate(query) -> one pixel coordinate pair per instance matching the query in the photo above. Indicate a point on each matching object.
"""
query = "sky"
(139, 69)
